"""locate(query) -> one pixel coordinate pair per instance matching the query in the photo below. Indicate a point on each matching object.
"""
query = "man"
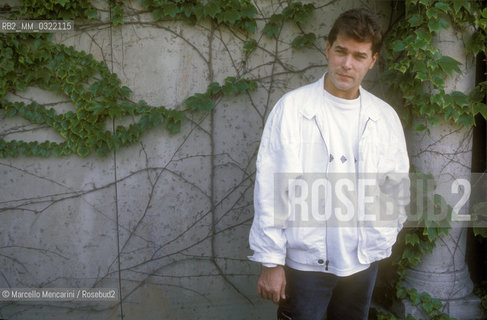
(332, 126)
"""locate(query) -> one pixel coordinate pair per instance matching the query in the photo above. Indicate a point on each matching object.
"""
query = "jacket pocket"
(376, 243)
(305, 238)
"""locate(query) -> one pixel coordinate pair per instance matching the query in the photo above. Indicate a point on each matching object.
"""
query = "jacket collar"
(369, 108)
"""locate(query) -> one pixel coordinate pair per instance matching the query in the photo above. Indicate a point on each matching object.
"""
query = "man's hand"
(272, 284)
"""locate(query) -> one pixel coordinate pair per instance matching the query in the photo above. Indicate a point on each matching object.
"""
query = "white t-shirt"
(342, 118)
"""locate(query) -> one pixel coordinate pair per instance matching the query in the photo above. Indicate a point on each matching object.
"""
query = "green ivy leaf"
(248, 11)
(448, 101)
(436, 24)
(433, 121)
(437, 99)
(252, 85)
(432, 13)
(466, 120)
(442, 6)
(431, 233)
(11, 112)
(272, 27)
(199, 102)
(62, 2)
(426, 3)
(479, 217)
(476, 43)
(401, 293)
(421, 76)
(117, 16)
(305, 40)
(83, 151)
(460, 98)
(449, 65)
(412, 239)
(171, 9)
(398, 45)
(438, 81)
(213, 89)
(250, 26)
(298, 12)
(428, 307)
(457, 5)
(173, 127)
(97, 109)
(231, 16)
(420, 67)
(125, 92)
(249, 46)
(243, 86)
(414, 297)
(91, 14)
(480, 108)
(174, 117)
(414, 21)
(198, 13)
(423, 38)
(212, 8)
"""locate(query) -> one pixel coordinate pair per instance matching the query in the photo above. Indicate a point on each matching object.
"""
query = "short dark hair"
(359, 24)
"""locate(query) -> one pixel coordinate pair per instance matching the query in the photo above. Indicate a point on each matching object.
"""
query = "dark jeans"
(312, 295)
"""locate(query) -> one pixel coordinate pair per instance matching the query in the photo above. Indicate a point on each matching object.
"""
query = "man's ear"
(327, 49)
(374, 59)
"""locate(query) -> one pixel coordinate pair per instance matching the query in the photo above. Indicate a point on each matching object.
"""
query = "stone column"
(446, 152)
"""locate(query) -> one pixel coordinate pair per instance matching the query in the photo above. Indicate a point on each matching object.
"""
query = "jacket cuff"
(265, 258)
(269, 265)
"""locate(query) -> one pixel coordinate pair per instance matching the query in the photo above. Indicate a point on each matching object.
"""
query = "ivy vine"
(417, 242)
(96, 93)
(33, 60)
(417, 69)
(55, 10)
(238, 14)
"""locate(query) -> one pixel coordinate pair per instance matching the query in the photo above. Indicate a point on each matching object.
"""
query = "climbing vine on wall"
(418, 242)
(33, 60)
(97, 95)
(30, 60)
(417, 69)
(235, 13)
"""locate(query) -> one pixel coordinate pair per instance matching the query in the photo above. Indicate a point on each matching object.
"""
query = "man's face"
(348, 63)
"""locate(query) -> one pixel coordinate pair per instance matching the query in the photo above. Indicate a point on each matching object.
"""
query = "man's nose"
(347, 62)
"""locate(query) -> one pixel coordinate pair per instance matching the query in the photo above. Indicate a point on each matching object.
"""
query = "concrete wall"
(176, 208)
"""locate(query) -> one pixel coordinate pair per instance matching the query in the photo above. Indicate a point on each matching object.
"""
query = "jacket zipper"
(360, 161)
(327, 261)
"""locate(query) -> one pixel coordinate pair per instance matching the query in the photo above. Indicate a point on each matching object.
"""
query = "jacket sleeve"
(392, 195)
(395, 181)
(267, 238)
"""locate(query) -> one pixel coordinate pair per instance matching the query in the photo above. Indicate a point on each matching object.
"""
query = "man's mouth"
(344, 76)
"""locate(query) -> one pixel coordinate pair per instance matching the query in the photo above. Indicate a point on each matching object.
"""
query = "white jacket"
(294, 141)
